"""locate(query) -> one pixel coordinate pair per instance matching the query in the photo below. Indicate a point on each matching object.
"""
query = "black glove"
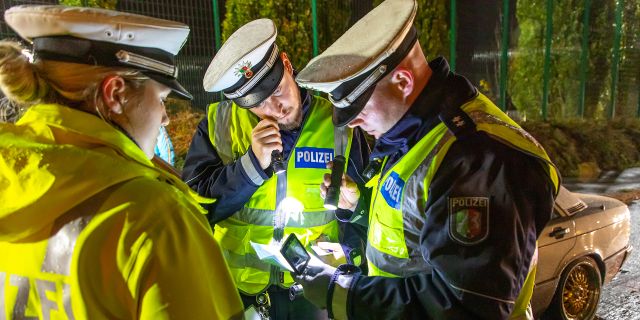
(315, 282)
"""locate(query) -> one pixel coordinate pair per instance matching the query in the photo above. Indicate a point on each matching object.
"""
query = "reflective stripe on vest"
(297, 191)
(400, 195)
(261, 217)
(233, 139)
(52, 285)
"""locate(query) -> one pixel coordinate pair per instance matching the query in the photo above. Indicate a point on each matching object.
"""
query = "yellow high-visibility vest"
(90, 229)
(260, 220)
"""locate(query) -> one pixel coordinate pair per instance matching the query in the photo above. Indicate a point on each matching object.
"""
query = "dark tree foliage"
(293, 19)
(105, 4)
(432, 22)
(601, 31)
(294, 22)
(527, 64)
(628, 91)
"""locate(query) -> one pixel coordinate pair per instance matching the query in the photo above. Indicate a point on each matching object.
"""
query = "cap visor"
(342, 116)
(264, 88)
(172, 83)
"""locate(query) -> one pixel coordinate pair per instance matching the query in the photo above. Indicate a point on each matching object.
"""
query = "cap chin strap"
(362, 87)
(256, 77)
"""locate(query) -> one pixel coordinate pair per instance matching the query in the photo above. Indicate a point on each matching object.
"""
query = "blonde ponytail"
(19, 79)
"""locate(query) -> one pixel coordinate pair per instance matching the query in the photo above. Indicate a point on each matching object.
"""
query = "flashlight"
(277, 162)
(333, 191)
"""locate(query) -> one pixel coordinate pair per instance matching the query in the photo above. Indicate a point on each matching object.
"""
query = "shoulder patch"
(468, 219)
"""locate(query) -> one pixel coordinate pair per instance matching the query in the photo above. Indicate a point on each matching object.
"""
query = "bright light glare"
(293, 209)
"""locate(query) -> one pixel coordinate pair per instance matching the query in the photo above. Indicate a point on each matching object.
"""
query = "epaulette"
(457, 121)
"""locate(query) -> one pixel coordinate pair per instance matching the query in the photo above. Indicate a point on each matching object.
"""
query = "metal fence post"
(638, 112)
(314, 26)
(452, 35)
(584, 55)
(615, 59)
(216, 25)
(547, 59)
(216, 33)
(504, 58)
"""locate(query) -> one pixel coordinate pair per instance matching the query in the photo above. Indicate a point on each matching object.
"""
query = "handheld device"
(294, 252)
(277, 162)
(333, 191)
(372, 168)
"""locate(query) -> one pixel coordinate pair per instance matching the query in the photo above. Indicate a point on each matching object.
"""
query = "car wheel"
(578, 291)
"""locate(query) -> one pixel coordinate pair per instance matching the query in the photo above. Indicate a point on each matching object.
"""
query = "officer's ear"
(287, 62)
(403, 82)
(112, 91)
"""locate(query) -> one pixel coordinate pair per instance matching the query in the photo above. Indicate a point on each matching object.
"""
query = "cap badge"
(244, 70)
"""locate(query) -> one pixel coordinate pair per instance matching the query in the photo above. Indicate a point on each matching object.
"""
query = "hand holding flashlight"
(265, 139)
(338, 190)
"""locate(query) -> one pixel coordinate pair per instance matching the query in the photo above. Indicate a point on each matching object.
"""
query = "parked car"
(582, 247)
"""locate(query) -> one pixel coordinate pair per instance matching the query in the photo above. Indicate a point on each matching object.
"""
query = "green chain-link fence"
(540, 59)
(199, 49)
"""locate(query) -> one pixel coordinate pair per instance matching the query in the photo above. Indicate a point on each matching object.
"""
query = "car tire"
(578, 291)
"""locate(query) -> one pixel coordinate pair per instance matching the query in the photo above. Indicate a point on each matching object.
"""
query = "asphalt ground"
(620, 298)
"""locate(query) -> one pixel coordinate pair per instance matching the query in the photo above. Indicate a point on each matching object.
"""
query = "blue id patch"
(307, 157)
(392, 190)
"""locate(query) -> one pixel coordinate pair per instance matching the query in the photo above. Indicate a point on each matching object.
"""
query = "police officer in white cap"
(90, 228)
(230, 159)
(461, 194)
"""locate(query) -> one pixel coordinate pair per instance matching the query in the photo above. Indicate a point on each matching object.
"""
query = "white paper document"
(271, 254)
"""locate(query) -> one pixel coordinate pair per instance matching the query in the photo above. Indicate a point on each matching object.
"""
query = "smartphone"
(295, 253)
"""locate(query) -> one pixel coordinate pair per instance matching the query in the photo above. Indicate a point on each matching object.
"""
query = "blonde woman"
(89, 228)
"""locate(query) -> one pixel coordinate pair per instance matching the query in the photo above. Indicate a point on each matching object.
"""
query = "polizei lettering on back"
(392, 190)
(22, 292)
(470, 201)
(307, 157)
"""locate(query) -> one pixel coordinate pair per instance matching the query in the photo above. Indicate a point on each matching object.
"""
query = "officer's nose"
(276, 109)
(165, 118)
(281, 110)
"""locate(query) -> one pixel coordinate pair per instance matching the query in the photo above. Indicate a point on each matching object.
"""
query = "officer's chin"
(289, 124)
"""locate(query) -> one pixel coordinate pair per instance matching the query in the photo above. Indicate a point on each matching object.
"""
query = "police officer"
(89, 228)
(462, 192)
(230, 159)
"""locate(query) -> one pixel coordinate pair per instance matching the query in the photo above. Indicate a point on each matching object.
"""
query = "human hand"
(265, 138)
(315, 282)
(330, 253)
(349, 192)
